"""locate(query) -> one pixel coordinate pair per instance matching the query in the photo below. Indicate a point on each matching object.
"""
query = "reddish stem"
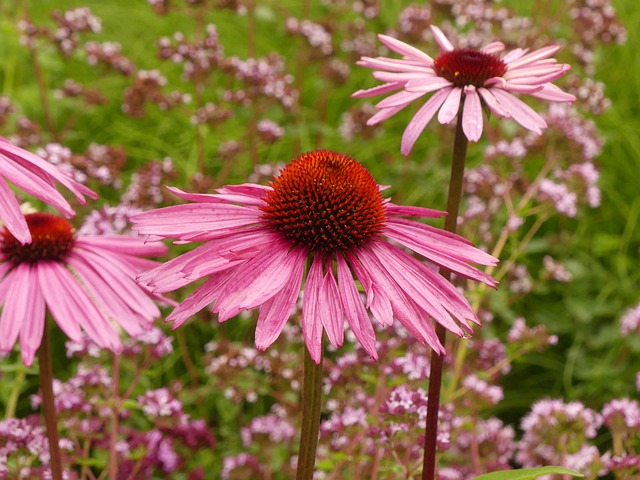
(437, 361)
(48, 404)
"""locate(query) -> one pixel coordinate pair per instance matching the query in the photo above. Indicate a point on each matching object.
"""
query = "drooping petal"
(410, 281)
(493, 103)
(275, 312)
(520, 111)
(330, 311)
(59, 305)
(420, 120)
(32, 162)
(472, 114)
(354, 309)
(11, 215)
(552, 93)
(33, 326)
(260, 279)
(311, 322)
(450, 107)
(16, 306)
(202, 296)
(404, 309)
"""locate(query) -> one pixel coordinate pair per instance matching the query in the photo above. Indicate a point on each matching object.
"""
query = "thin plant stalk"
(435, 376)
(48, 405)
(115, 412)
(311, 402)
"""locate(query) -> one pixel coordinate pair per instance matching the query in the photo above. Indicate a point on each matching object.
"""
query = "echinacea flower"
(34, 176)
(464, 80)
(84, 282)
(325, 219)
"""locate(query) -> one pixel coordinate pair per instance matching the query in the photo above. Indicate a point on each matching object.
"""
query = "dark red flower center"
(466, 66)
(52, 238)
(325, 201)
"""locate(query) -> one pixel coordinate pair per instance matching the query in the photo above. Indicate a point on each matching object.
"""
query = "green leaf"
(527, 473)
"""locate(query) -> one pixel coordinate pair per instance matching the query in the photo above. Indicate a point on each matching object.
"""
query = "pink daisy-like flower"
(36, 177)
(463, 79)
(85, 282)
(324, 211)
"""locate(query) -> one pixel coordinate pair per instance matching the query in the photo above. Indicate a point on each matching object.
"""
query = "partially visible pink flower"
(464, 80)
(85, 283)
(324, 211)
(34, 176)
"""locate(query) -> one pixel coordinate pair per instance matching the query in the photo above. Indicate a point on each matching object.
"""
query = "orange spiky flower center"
(52, 239)
(466, 66)
(325, 201)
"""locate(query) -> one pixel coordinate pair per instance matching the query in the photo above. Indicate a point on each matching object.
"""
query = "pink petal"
(92, 320)
(420, 120)
(532, 57)
(405, 49)
(330, 311)
(384, 114)
(410, 280)
(402, 98)
(441, 39)
(354, 309)
(392, 64)
(379, 90)
(426, 84)
(493, 48)
(258, 280)
(553, 93)
(55, 296)
(514, 55)
(33, 327)
(17, 305)
(392, 77)
(124, 245)
(32, 162)
(406, 311)
(275, 312)
(410, 211)
(519, 111)
(472, 115)
(11, 215)
(450, 107)
(255, 198)
(311, 322)
(33, 183)
(377, 300)
(452, 259)
(493, 103)
(202, 296)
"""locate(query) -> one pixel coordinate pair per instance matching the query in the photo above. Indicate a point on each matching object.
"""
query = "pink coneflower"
(84, 282)
(324, 211)
(463, 77)
(36, 177)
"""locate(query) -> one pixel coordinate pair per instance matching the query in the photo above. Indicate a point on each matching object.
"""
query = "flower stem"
(311, 399)
(115, 413)
(435, 376)
(48, 405)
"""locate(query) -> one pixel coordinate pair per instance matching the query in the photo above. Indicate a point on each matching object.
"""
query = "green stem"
(12, 403)
(437, 361)
(311, 400)
(48, 405)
